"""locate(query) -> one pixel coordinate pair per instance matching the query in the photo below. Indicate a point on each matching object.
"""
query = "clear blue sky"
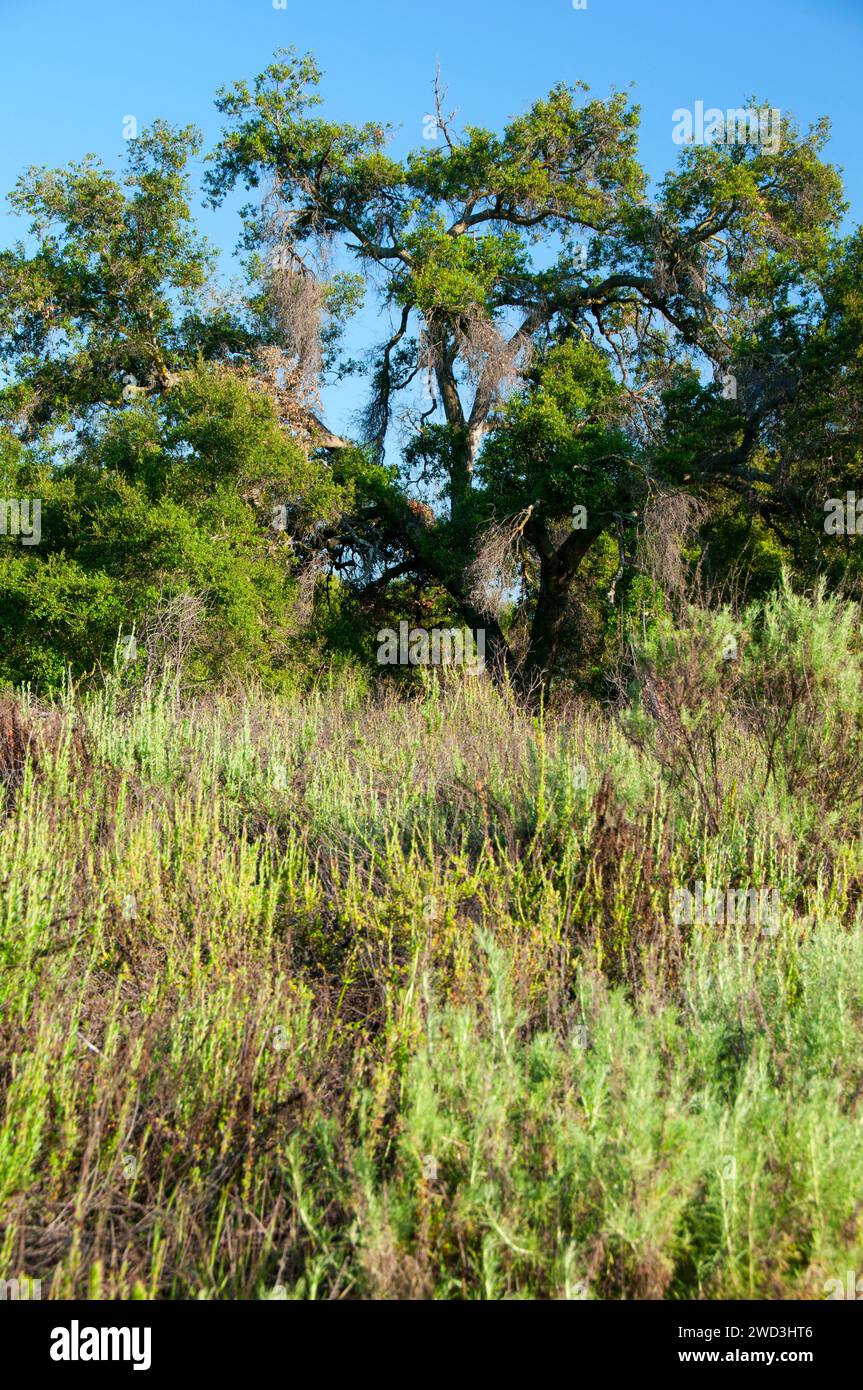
(70, 70)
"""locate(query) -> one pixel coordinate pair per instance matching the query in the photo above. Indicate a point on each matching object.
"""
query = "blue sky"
(71, 70)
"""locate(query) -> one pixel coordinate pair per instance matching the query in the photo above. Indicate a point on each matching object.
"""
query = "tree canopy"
(575, 363)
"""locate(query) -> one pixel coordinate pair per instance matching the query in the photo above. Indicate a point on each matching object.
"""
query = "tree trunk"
(557, 569)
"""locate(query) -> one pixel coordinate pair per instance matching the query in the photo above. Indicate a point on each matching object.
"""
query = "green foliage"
(460, 275)
(168, 498)
(578, 337)
(556, 441)
(803, 674)
(115, 265)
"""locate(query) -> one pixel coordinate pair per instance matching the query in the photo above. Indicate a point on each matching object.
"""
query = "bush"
(167, 503)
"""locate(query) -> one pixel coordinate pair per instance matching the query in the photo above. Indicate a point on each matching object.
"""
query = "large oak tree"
(564, 346)
(590, 343)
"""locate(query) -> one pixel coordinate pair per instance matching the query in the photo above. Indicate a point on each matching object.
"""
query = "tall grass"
(353, 996)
